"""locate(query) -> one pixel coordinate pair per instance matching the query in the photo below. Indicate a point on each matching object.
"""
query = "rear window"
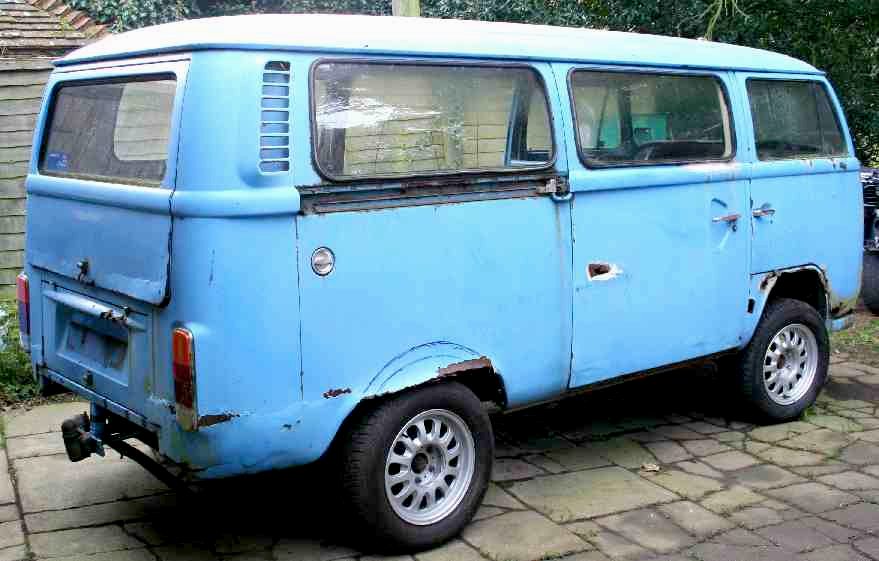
(384, 119)
(110, 131)
(794, 119)
(628, 118)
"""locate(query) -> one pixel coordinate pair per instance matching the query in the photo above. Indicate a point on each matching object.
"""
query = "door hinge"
(557, 187)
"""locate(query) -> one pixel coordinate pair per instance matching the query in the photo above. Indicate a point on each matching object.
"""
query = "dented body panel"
(537, 283)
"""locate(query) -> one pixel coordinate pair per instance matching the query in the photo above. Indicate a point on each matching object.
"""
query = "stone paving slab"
(502, 538)
(35, 445)
(105, 513)
(649, 529)
(569, 483)
(590, 493)
(813, 497)
(695, 519)
(14, 553)
(47, 418)
(84, 541)
(90, 481)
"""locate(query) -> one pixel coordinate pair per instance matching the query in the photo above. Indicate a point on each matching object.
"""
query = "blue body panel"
(495, 280)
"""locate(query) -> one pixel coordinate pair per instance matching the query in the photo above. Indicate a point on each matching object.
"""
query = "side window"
(628, 118)
(832, 140)
(794, 119)
(387, 119)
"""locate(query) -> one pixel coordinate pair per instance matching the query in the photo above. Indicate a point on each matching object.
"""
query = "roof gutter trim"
(182, 48)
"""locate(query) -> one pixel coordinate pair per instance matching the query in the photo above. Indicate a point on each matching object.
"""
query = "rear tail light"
(24, 310)
(183, 346)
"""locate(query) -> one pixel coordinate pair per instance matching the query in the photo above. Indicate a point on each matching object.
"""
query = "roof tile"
(44, 27)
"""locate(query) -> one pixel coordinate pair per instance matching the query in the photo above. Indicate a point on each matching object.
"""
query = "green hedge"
(16, 377)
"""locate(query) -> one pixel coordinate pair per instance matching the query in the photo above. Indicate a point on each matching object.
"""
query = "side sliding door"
(661, 241)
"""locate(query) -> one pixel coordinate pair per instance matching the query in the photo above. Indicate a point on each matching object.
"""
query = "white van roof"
(383, 35)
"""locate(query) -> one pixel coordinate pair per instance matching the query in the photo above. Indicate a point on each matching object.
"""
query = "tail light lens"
(183, 345)
(24, 310)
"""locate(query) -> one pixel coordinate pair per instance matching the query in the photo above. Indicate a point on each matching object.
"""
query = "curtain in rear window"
(110, 131)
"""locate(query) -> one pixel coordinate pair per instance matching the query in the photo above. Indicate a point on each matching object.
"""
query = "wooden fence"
(21, 86)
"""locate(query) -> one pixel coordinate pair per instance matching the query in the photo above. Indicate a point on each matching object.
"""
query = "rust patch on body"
(210, 420)
(336, 392)
(458, 367)
(768, 281)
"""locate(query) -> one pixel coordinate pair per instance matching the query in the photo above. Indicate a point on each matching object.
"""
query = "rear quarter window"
(794, 119)
(115, 131)
(376, 119)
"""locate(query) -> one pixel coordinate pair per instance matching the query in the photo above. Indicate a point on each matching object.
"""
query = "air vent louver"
(274, 137)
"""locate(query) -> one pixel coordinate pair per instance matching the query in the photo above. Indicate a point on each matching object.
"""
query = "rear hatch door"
(99, 221)
(99, 204)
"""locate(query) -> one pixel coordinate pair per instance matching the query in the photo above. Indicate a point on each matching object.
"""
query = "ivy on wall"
(839, 36)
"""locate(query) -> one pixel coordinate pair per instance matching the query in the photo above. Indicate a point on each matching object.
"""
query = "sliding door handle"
(764, 210)
(732, 218)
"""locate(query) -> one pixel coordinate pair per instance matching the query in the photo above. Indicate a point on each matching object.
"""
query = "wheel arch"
(807, 283)
(435, 362)
(431, 363)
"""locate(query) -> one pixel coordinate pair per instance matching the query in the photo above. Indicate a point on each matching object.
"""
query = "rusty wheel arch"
(477, 375)
(806, 283)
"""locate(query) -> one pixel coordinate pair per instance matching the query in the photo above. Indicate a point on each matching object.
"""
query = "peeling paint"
(336, 392)
(464, 365)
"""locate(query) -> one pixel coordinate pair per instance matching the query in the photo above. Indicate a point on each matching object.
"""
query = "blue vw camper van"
(252, 240)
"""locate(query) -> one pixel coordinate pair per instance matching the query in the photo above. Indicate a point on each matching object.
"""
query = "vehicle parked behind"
(870, 283)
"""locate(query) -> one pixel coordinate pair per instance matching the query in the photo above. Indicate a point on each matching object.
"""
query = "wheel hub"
(790, 363)
(429, 467)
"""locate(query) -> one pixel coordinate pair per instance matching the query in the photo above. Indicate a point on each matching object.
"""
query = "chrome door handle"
(734, 217)
(763, 211)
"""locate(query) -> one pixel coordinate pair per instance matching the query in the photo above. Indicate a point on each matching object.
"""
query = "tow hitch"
(84, 436)
(79, 441)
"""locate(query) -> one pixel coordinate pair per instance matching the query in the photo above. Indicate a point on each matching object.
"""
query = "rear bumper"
(99, 400)
(245, 444)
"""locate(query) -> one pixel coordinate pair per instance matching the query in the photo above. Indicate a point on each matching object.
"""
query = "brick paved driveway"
(568, 483)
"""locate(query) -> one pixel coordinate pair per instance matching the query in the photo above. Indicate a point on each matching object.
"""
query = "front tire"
(416, 467)
(785, 365)
(870, 284)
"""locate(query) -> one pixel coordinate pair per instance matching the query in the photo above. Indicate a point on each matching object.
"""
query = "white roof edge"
(433, 37)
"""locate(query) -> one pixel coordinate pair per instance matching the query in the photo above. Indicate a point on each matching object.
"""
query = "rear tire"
(416, 467)
(870, 284)
(785, 365)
